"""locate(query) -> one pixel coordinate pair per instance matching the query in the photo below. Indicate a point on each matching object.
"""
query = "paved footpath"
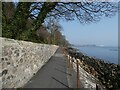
(52, 75)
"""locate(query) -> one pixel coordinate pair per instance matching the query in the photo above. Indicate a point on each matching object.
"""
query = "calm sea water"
(108, 54)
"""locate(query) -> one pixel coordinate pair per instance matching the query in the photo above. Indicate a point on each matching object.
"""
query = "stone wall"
(20, 60)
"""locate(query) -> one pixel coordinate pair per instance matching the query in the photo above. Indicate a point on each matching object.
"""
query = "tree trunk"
(46, 8)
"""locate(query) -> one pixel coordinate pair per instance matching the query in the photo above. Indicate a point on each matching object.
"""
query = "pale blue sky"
(104, 32)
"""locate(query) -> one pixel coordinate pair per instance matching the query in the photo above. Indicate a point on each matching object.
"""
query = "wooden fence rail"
(71, 61)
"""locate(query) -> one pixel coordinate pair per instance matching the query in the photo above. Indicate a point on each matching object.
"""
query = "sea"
(108, 54)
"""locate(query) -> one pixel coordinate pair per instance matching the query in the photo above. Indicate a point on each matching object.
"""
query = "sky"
(104, 32)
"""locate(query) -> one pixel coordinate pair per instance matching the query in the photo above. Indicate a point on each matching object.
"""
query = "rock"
(4, 72)
(2, 59)
(8, 63)
(10, 77)
(105, 72)
(21, 60)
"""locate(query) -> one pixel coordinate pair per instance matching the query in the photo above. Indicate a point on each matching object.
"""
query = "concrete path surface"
(51, 75)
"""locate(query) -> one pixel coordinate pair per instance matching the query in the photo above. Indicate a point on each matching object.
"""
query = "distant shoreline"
(93, 46)
(107, 54)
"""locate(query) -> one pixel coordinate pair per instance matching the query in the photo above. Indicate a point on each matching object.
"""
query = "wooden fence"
(71, 61)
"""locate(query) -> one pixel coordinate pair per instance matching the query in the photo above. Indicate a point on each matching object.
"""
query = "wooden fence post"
(97, 87)
(78, 79)
(72, 63)
(69, 61)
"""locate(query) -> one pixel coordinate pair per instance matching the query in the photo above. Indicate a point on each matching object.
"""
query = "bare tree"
(43, 35)
(54, 29)
(85, 12)
(39, 12)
